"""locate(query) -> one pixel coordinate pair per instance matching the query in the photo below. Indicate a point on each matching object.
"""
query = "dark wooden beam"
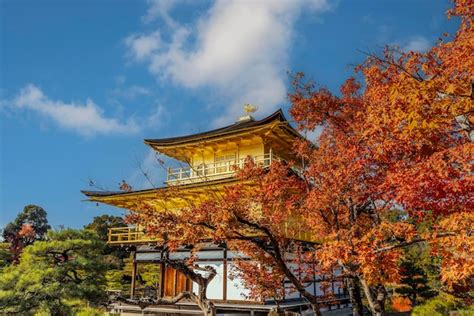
(224, 291)
(161, 289)
(134, 276)
(175, 279)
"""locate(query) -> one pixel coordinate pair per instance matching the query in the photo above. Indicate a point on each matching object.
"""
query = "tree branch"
(413, 241)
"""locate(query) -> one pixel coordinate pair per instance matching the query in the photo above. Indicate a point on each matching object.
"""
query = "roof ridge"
(229, 128)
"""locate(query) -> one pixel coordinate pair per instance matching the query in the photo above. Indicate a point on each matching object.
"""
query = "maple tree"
(400, 143)
(250, 218)
(404, 141)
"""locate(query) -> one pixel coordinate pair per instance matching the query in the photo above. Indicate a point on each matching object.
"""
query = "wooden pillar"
(134, 275)
(175, 277)
(161, 289)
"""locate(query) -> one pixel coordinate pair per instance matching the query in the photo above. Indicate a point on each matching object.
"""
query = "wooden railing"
(127, 235)
(218, 170)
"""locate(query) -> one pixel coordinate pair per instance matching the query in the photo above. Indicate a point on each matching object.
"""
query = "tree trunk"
(377, 303)
(204, 304)
(354, 294)
(277, 255)
(316, 309)
(190, 271)
(312, 299)
(381, 296)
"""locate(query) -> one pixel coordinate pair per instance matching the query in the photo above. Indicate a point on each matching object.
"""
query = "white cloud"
(418, 43)
(239, 49)
(128, 92)
(131, 92)
(158, 117)
(143, 46)
(160, 9)
(85, 119)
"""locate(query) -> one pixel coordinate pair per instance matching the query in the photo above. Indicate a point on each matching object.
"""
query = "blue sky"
(82, 83)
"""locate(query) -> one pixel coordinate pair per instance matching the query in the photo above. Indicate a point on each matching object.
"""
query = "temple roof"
(145, 191)
(235, 128)
(274, 126)
(127, 199)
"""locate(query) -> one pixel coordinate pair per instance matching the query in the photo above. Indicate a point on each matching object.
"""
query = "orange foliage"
(401, 304)
(396, 144)
(249, 218)
(394, 147)
(27, 231)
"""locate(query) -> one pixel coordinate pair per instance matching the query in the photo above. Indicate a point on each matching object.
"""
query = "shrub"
(442, 305)
(90, 311)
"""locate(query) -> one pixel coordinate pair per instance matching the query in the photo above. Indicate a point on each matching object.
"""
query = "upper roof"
(274, 127)
(223, 131)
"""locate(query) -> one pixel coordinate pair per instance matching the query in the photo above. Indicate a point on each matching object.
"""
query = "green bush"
(89, 311)
(468, 311)
(72, 308)
(52, 273)
(442, 305)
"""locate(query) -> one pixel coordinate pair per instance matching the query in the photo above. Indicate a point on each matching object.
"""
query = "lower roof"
(131, 199)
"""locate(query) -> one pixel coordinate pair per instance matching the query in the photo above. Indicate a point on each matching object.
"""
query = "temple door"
(175, 282)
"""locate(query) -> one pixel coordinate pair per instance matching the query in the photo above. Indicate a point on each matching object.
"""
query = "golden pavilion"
(208, 163)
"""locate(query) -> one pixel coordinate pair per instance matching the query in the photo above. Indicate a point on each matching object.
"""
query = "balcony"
(127, 235)
(214, 171)
(135, 235)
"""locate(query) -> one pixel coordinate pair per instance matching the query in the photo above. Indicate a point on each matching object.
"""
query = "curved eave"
(231, 130)
(163, 196)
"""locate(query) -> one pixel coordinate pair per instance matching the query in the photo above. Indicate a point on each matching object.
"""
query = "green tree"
(67, 265)
(148, 276)
(101, 225)
(6, 257)
(419, 270)
(414, 283)
(29, 225)
(443, 305)
(117, 280)
(33, 215)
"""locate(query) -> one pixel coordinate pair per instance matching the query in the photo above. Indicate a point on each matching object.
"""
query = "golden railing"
(127, 235)
(218, 170)
(135, 235)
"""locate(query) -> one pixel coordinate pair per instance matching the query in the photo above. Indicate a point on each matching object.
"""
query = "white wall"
(144, 256)
(215, 288)
(235, 288)
(290, 292)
